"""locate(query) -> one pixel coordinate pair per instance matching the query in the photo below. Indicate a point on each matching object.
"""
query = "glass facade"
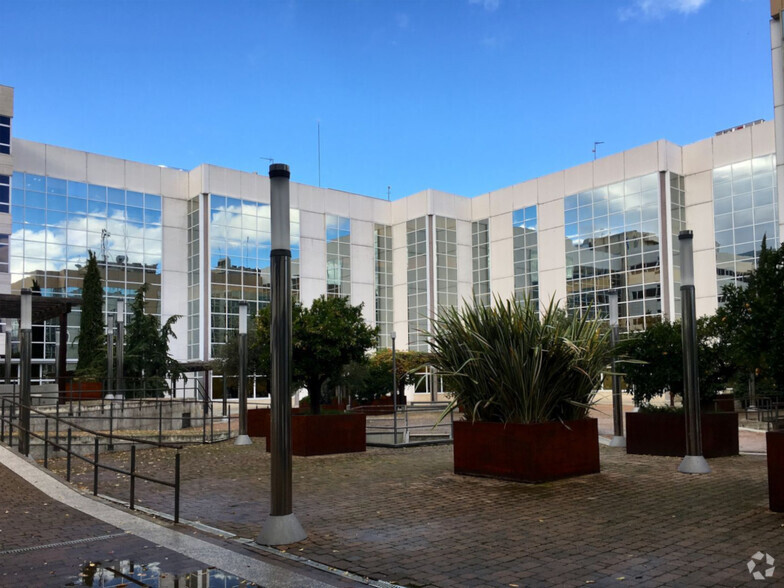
(417, 270)
(526, 254)
(677, 224)
(613, 242)
(446, 261)
(5, 134)
(194, 278)
(745, 210)
(480, 259)
(338, 235)
(239, 237)
(384, 307)
(56, 222)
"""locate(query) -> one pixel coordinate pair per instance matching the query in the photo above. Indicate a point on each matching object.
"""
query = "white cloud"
(657, 9)
(488, 5)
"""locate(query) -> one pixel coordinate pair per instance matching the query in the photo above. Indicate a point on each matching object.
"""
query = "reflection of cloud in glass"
(65, 243)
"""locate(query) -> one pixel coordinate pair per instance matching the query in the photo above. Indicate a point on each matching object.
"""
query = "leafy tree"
(326, 337)
(656, 364)
(751, 321)
(91, 341)
(147, 359)
(408, 365)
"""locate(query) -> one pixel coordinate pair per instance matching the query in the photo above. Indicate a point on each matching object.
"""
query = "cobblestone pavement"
(45, 543)
(403, 516)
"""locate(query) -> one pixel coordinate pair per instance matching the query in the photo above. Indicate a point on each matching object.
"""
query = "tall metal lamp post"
(618, 439)
(119, 391)
(282, 526)
(693, 462)
(109, 356)
(25, 348)
(243, 438)
(394, 390)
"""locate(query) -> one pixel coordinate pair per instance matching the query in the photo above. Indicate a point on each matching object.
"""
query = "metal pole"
(68, 458)
(110, 357)
(394, 390)
(618, 439)
(9, 346)
(95, 469)
(46, 443)
(282, 526)
(132, 497)
(242, 437)
(177, 487)
(693, 462)
(25, 334)
(120, 388)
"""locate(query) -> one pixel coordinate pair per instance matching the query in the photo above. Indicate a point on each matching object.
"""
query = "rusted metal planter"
(534, 453)
(325, 434)
(775, 445)
(665, 434)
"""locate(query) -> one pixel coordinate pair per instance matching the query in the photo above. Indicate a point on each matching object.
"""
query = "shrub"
(505, 363)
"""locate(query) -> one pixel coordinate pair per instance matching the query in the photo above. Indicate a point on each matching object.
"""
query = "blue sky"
(464, 96)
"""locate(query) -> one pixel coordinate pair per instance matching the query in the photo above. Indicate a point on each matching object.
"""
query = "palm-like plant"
(505, 363)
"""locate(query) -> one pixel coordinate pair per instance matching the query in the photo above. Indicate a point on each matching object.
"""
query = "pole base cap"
(694, 464)
(243, 440)
(618, 441)
(281, 530)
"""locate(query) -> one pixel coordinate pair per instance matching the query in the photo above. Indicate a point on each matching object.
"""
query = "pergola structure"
(44, 308)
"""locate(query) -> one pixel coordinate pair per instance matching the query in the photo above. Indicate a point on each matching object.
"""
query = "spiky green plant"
(507, 364)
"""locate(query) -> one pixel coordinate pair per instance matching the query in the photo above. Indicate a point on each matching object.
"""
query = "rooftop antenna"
(318, 129)
(389, 192)
(595, 143)
(268, 159)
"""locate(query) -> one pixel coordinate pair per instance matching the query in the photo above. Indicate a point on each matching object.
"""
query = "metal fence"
(412, 425)
(98, 420)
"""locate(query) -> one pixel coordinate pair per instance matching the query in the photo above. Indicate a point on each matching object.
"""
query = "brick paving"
(401, 515)
(29, 519)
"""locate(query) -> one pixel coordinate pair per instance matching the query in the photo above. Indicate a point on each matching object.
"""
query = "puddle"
(127, 574)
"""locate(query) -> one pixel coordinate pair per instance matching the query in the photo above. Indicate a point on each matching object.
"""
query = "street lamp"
(618, 439)
(282, 526)
(394, 390)
(120, 388)
(243, 438)
(109, 356)
(693, 462)
(25, 347)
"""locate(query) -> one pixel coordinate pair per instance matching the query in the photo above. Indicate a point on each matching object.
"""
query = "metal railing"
(412, 425)
(110, 412)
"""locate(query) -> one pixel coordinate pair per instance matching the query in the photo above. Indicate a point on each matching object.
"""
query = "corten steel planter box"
(775, 443)
(259, 422)
(538, 452)
(325, 434)
(665, 434)
(81, 391)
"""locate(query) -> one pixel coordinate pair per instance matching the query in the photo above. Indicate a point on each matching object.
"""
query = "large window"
(384, 307)
(613, 242)
(745, 211)
(480, 255)
(5, 134)
(194, 278)
(677, 224)
(446, 261)
(239, 261)
(417, 269)
(526, 254)
(338, 234)
(5, 193)
(56, 222)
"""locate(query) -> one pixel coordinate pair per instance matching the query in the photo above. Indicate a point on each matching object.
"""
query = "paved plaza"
(402, 516)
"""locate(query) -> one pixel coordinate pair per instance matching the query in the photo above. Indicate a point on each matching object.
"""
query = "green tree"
(147, 359)
(656, 364)
(325, 337)
(408, 365)
(91, 341)
(751, 322)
